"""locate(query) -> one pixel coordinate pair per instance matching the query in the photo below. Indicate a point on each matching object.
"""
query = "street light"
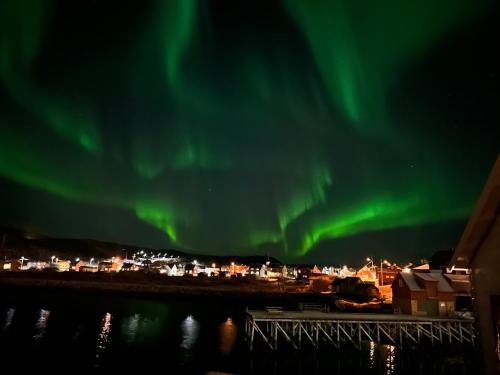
(77, 260)
(382, 262)
(91, 260)
(22, 259)
(52, 258)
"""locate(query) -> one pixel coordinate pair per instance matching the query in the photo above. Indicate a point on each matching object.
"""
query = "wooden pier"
(317, 328)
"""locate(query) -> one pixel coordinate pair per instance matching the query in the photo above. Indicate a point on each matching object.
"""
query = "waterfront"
(56, 330)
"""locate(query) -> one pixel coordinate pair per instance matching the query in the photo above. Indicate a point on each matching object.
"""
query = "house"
(191, 269)
(478, 250)
(173, 270)
(423, 293)
(253, 269)
(387, 274)
(36, 265)
(9, 265)
(461, 284)
(346, 272)
(105, 266)
(367, 274)
(88, 268)
(63, 265)
(274, 270)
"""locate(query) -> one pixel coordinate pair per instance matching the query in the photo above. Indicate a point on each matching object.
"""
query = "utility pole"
(381, 273)
(4, 239)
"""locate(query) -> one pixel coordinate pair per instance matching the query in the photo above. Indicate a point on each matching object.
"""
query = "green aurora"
(237, 127)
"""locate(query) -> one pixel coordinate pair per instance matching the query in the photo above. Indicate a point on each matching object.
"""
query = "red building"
(423, 293)
(387, 276)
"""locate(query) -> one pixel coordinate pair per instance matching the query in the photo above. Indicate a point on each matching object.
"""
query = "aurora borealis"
(294, 128)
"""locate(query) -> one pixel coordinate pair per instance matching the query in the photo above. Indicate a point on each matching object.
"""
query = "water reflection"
(103, 338)
(41, 325)
(389, 358)
(8, 318)
(372, 360)
(228, 332)
(190, 329)
(130, 327)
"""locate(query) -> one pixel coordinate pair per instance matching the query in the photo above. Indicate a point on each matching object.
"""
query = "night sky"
(320, 131)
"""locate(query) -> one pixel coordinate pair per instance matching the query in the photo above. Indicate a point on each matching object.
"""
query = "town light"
(213, 265)
(77, 260)
(368, 259)
(195, 262)
(52, 258)
(232, 264)
(406, 270)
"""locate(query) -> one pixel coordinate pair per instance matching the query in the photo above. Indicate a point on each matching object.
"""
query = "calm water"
(65, 331)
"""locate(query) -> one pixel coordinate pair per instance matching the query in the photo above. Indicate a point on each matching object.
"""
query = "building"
(253, 269)
(63, 265)
(387, 274)
(36, 265)
(191, 269)
(461, 284)
(88, 268)
(367, 273)
(423, 293)
(9, 265)
(478, 250)
(173, 270)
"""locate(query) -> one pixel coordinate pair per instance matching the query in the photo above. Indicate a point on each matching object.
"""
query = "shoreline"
(154, 287)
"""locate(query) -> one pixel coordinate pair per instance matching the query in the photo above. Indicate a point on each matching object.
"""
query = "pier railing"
(315, 328)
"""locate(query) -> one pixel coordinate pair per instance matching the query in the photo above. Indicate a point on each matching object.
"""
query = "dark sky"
(319, 131)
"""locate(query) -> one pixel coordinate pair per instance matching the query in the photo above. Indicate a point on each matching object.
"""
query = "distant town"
(431, 288)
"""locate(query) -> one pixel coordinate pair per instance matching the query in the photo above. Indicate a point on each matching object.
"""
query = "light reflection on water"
(228, 332)
(103, 337)
(8, 318)
(190, 328)
(382, 355)
(389, 353)
(165, 336)
(41, 325)
(372, 361)
(130, 327)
